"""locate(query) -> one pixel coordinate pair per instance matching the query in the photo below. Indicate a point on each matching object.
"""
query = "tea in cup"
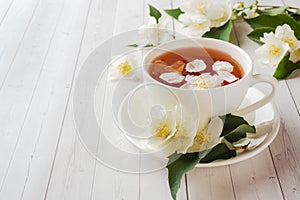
(209, 77)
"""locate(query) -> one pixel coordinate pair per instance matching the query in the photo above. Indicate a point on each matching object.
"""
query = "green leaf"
(274, 21)
(239, 133)
(178, 165)
(222, 33)
(133, 45)
(296, 17)
(285, 67)
(274, 11)
(149, 45)
(220, 151)
(231, 122)
(174, 12)
(154, 13)
(259, 32)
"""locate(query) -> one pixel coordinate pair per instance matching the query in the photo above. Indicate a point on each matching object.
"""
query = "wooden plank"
(12, 32)
(74, 168)
(36, 144)
(291, 3)
(293, 81)
(40, 132)
(210, 183)
(111, 181)
(285, 149)
(156, 185)
(72, 173)
(4, 8)
(256, 178)
(17, 92)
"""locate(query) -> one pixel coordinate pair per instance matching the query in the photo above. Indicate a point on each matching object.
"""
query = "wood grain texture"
(43, 45)
(4, 8)
(21, 81)
(210, 183)
(39, 135)
(285, 148)
(74, 168)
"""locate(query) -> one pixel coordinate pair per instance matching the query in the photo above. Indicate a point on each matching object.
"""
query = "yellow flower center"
(124, 67)
(200, 137)
(274, 50)
(201, 83)
(201, 7)
(223, 18)
(290, 41)
(297, 53)
(163, 131)
(198, 26)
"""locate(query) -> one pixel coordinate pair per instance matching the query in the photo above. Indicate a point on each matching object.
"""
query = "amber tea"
(195, 67)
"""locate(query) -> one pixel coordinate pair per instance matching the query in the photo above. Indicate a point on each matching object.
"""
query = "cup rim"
(235, 47)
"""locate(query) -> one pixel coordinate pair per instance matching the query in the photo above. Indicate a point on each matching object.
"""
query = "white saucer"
(267, 115)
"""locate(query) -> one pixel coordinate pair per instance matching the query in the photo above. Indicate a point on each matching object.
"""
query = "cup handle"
(259, 78)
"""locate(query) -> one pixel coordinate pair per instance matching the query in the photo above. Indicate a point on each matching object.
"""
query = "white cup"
(213, 101)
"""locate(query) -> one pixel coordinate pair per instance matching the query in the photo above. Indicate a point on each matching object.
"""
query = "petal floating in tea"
(191, 78)
(172, 77)
(205, 80)
(227, 76)
(196, 66)
(222, 66)
(212, 81)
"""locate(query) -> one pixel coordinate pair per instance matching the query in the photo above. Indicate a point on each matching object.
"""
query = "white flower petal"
(153, 33)
(227, 76)
(123, 67)
(286, 34)
(207, 137)
(196, 66)
(185, 19)
(214, 130)
(219, 12)
(273, 51)
(295, 54)
(195, 24)
(212, 81)
(204, 81)
(186, 133)
(143, 98)
(191, 78)
(172, 77)
(188, 6)
(163, 128)
(180, 140)
(269, 38)
(250, 13)
(222, 65)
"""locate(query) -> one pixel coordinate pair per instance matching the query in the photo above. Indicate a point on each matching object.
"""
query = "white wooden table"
(43, 44)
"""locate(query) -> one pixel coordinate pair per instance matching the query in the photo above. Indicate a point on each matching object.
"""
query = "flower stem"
(290, 8)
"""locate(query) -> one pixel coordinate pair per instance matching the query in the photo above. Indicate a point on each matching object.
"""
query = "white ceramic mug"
(214, 101)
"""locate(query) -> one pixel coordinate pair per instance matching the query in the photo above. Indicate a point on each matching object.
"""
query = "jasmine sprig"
(235, 128)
